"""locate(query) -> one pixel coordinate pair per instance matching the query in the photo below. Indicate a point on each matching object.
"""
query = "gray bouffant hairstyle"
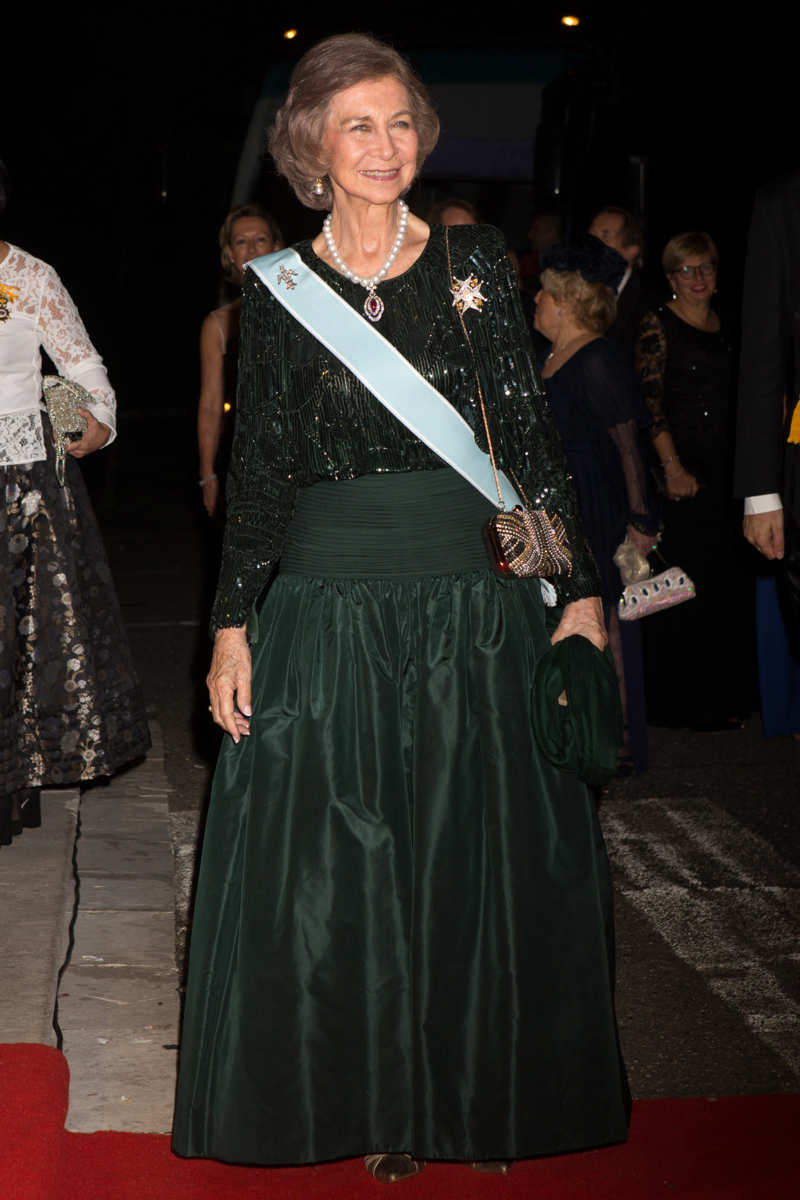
(333, 65)
(594, 305)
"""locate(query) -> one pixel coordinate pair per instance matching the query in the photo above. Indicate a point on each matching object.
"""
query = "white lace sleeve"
(65, 339)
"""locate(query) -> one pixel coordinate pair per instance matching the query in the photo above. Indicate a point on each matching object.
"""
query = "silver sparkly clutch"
(63, 399)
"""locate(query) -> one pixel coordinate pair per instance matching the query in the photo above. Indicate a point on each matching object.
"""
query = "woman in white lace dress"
(70, 705)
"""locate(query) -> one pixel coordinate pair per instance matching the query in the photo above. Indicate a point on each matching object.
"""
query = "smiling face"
(250, 238)
(695, 279)
(370, 141)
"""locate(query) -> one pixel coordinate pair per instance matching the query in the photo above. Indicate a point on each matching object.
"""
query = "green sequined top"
(301, 416)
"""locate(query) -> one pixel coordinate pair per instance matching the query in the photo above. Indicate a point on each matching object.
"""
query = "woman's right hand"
(229, 682)
(681, 485)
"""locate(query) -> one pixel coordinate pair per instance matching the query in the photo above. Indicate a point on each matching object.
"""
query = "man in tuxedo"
(767, 471)
(619, 229)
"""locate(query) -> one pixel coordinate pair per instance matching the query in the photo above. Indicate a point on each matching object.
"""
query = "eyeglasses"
(705, 269)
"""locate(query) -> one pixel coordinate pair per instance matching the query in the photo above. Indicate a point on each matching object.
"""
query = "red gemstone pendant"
(373, 307)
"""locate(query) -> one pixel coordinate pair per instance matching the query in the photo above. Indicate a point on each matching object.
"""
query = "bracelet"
(672, 458)
(206, 479)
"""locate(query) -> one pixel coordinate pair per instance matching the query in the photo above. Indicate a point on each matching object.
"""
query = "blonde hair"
(333, 65)
(226, 235)
(594, 305)
(687, 245)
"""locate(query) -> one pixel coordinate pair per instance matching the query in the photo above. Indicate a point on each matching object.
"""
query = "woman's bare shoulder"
(223, 321)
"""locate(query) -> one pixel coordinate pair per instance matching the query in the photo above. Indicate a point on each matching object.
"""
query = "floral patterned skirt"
(70, 704)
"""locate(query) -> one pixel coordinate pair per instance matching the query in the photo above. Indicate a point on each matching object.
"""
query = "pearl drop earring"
(318, 188)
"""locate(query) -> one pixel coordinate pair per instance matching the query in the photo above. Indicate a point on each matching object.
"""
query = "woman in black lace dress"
(698, 655)
(402, 940)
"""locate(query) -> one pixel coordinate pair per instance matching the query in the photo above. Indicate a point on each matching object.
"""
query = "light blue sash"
(389, 376)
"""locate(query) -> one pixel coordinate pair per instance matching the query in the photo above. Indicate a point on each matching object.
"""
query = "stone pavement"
(37, 897)
(101, 871)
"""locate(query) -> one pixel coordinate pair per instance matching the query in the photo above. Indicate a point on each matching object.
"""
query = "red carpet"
(738, 1148)
(34, 1088)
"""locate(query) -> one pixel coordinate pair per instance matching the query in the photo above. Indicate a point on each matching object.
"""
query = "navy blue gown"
(598, 408)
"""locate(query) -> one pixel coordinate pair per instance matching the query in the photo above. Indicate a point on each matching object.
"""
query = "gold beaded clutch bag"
(528, 541)
(63, 399)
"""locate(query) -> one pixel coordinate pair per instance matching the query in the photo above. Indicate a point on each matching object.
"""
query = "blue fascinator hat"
(593, 260)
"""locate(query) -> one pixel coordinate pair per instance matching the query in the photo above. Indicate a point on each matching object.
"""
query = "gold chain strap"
(459, 305)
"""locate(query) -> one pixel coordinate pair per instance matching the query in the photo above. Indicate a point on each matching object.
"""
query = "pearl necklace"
(373, 305)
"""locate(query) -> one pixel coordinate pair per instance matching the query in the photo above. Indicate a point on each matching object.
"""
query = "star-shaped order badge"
(467, 293)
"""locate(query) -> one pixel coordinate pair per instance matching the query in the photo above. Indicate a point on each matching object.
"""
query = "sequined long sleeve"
(260, 490)
(525, 437)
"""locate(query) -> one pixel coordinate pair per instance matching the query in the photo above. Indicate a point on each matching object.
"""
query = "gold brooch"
(467, 293)
(8, 295)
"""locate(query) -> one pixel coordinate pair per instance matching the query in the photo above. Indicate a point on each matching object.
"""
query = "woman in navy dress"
(597, 405)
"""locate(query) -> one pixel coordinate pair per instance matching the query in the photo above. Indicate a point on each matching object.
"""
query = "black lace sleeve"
(261, 489)
(524, 434)
(651, 357)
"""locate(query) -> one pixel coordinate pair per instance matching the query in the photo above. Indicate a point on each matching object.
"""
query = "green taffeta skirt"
(403, 936)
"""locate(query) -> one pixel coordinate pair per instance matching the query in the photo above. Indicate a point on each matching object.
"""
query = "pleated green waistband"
(391, 526)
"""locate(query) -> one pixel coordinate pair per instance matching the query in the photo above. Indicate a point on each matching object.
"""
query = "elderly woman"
(699, 656)
(70, 705)
(596, 402)
(402, 939)
(247, 232)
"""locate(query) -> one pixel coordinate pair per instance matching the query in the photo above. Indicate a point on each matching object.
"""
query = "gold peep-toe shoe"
(391, 1168)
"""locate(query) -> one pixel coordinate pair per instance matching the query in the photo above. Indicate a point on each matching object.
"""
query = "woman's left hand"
(645, 543)
(96, 435)
(584, 617)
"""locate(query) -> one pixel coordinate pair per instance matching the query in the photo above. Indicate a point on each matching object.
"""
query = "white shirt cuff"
(769, 502)
(108, 417)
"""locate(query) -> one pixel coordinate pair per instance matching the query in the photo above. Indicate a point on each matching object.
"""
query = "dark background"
(122, 127)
